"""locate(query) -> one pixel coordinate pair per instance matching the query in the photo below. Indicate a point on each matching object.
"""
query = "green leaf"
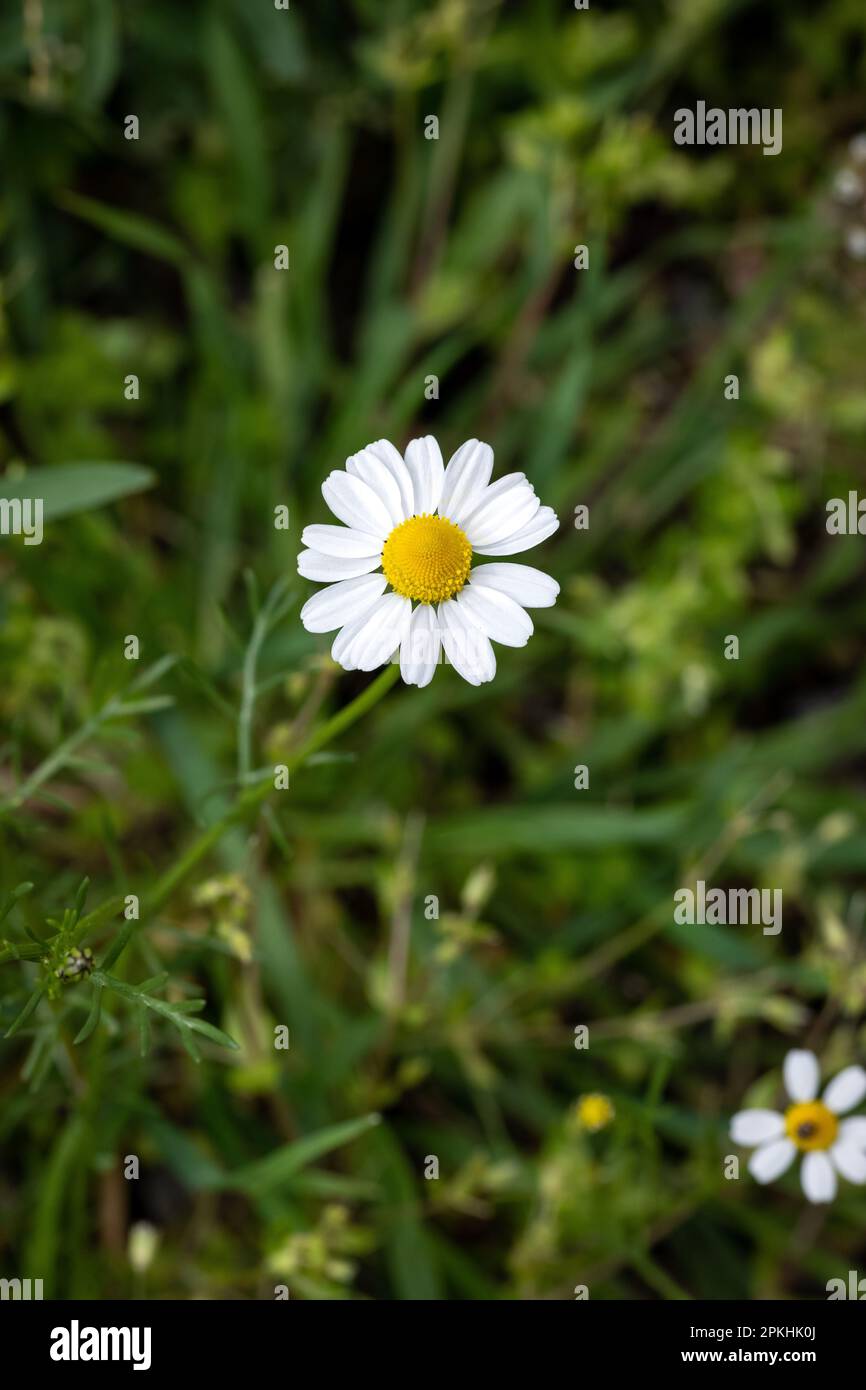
(129, 228)
(128, 709)
(154, 673)
(410, 1253)
(47, 1225)
(20, 892)
(25, 1013)
(216, 1035)
(77, 487)
(268, 1174)
(38, 1056)
(119, 944)
(546, 829)
(143, 1031)
(195, 1169)
(236, 94)
(92, 1020)
(189, 1044)
(153, 983)
(176, 1014)
(101, 54)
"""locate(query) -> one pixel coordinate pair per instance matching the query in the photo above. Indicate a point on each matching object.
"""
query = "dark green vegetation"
(412, 258)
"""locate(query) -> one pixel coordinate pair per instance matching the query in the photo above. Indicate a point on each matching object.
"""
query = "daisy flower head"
(830, 1145)
(401, 573)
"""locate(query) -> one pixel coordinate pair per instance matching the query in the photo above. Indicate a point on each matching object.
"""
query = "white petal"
(466, 476)
(379, 635)
(342, 643)
(802, 1075)
(466, 646)
(493, 491)
(771, 1160)
(497, 615)
(341, 540)
(353, 502)
(818, 1177)
(426, 469)
(853, 1131)
(542, 525)
(501, 513)
(378, 476)
(850, 1161)
(327, 569)
(530, 587)
(393, 461)
(342, 603)
(419, 651)
(756, 1126)
(846, 1090)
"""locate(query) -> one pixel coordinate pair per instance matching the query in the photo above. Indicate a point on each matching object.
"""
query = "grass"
(432, 908)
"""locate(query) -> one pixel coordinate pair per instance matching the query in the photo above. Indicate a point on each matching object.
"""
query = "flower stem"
(256, 795)
(250, 800)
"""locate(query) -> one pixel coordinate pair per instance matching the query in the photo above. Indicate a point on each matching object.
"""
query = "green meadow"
(333, 1038)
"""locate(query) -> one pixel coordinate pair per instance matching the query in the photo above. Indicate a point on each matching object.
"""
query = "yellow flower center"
(427, 558)
(594, 1111)
(811, 1125)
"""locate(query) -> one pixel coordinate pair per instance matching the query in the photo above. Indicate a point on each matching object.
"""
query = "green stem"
(255, 796)
(248, 699)
(247, 803)
(347, 716)
(53, 763)
(273, 608)
(116, 707)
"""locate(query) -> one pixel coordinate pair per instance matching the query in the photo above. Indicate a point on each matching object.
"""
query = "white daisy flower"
(400, 573)
(811, 1126)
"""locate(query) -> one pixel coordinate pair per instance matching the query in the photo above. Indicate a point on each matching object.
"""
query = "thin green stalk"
(248, 698)
(256, 795)
(248, 802)
(274, 607)
(117, 707)
(657, 1278)
(53, 763)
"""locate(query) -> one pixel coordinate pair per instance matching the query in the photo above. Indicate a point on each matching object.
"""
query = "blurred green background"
(412, 258)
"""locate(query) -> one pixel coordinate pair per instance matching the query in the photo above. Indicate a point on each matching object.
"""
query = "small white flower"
(811, 1126)
(142, 1245)
(412, 527)
(855, 241)
(847, 186)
